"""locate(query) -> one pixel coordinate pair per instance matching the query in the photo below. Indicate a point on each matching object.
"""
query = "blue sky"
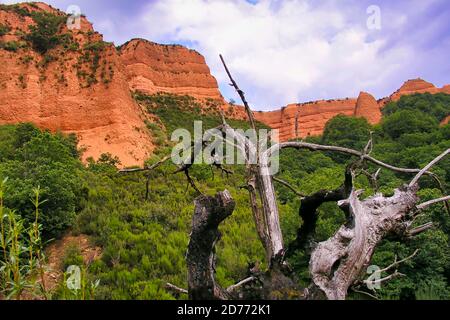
(284, 51)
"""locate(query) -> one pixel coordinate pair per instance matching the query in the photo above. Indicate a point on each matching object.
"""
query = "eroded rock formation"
(302, 120)
(82, 91)
(84, 86)
(153, 68)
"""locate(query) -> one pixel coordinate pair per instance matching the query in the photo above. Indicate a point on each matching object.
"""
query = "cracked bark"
(338, 262)
(209, 213)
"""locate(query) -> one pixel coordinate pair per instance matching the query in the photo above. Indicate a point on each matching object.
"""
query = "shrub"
(72, 257)
(37, 158)
(43, 36)
(95, 46)
(4, 29)
(12, 45)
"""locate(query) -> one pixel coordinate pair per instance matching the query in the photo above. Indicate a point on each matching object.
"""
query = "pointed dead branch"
(369, 147)
(191, 181)
(174, 288)
(316, 147)
(425, 205)
(398, 262)
(378, 273)
(269, 226)
(428, 166)
(373, 178)
(149, 168)
(238, 285)
(240, 93)
(418, 230)
(289, 186)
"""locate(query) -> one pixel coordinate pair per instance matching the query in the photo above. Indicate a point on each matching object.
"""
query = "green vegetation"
(4, 29)
(31, 158)
(12, 45)
(16, 8)
(72, 257)
(22, 258)
(181, 112)
(44, 34)
(144, 240)
(90, 61)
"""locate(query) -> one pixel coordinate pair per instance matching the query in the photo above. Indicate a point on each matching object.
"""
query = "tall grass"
(22, 258)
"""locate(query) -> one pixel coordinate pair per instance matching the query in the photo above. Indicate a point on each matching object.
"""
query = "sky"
(287, 51)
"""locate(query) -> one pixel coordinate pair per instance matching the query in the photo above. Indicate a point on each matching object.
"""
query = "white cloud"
(279, 51)
(284, 51)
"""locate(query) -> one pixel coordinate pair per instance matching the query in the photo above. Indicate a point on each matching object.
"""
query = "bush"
(43, 36)
(72, 257)
(4, 29)
(12, 45)
(95, 46)
(35, 158)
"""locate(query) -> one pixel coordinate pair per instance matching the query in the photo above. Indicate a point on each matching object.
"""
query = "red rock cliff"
(312, 117)
(417, 86)
(84, 87)
(153, 68)
(60, 90)
(367, 107)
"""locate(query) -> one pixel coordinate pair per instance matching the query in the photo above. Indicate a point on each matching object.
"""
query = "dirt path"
(55, 255)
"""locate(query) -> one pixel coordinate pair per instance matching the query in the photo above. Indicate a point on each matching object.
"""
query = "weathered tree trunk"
(341, 260)
(209, 213)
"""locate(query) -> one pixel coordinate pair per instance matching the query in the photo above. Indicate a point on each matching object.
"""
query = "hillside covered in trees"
(142, 220)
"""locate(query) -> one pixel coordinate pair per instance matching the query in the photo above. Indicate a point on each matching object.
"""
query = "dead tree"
(335, 264)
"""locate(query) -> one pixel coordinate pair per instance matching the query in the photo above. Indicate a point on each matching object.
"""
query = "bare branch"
(428, 166)
(316, 147)
(365, 293)
(420, 229)
(387, 278)
(175, 289)
(373, 178)
(425, 205)
(219, 166)
(236, 286)
(152, 167)
(443, 190)
(289, 186)
(191, 181)
(241, 94)
(397, 263)
(369, 147)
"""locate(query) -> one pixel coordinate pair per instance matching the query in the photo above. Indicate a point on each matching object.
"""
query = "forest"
(142, 220)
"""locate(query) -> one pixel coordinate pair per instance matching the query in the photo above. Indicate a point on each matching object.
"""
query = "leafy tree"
(408, 121)
(42, 159)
